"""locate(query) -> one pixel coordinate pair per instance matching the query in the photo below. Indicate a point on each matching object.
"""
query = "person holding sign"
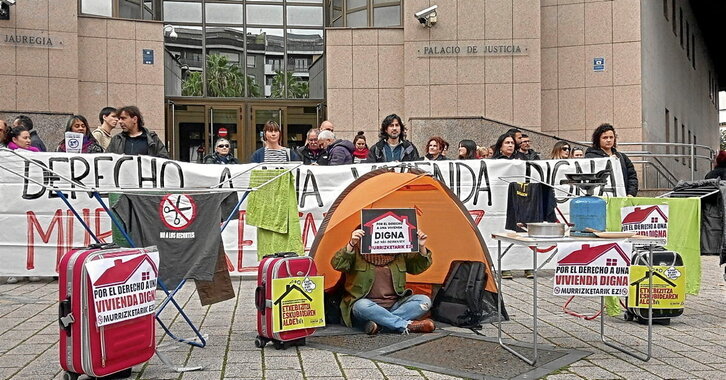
(375, 288)
(79, 124)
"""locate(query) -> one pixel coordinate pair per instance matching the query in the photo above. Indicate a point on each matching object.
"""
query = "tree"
(295, 88)
(224, 79)
(723, 138)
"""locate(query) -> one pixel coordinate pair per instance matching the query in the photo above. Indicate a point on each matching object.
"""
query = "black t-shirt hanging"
(184, 227)
(529, 203)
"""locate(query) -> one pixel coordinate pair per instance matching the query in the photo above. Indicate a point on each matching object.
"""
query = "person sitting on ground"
(221, 155)
(560, 150)
(361, 148)
(273, 151)
(719, 172)
(335, 151)
(604, 142)
(375, 288)
(577, 152)
(434, 149)
(393, 145)
(467, 150)
(79, 124)
(310, 152)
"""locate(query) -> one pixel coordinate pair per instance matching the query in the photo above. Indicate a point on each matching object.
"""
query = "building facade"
(200, 70)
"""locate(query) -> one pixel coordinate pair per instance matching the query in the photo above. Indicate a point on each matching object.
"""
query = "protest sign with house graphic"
(592, 269)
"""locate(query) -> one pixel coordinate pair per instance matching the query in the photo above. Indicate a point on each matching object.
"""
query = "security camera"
(427, 17)
(8, 2)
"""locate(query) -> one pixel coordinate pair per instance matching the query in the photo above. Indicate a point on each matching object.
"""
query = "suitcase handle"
(281, 255)
(103, 246)
(65, 316)
(260, 298)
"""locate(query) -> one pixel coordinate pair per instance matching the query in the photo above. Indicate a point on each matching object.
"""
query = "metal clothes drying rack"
(200, 339)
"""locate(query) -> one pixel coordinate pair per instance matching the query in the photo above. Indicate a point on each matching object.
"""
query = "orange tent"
(451, 232)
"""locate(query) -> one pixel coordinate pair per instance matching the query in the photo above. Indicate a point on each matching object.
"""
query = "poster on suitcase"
(297, 303)
(123, 287)
(669, 287)
(592, 269)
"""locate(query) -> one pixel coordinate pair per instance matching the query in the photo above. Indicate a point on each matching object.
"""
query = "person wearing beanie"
(719, 172)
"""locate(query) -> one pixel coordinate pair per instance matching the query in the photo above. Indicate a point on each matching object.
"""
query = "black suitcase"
(661, 258)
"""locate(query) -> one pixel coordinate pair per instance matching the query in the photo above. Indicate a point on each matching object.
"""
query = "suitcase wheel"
(260, 342)
(628, 316)
(71, 376)
(279, 345)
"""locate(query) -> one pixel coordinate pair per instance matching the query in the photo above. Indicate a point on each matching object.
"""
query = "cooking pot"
(544, 229)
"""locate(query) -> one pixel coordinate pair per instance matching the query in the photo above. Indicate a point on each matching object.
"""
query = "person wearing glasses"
(604, 141)
(221, 154)
(561, 150)
(525, 148)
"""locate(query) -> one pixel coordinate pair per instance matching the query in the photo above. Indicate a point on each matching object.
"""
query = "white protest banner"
(389, 231)
(645, 220)
(38, 227)
(74, 142)
(592, 269)
(123, 287)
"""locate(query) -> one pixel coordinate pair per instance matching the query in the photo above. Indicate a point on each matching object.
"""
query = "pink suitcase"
(84, 347)
(272, 267)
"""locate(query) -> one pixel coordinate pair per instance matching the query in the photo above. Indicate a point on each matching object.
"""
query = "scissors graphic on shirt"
(177, 210)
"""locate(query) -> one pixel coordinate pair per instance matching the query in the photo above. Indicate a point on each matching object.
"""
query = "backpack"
(460, 301)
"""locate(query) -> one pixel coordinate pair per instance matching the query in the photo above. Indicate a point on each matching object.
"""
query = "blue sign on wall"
(598, 64)
(148, 56)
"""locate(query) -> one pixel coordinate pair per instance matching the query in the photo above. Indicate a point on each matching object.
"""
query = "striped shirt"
(276, 155)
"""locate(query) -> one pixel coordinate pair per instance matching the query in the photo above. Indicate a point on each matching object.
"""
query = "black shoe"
(371, 328)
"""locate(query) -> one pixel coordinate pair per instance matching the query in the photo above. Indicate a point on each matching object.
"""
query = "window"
(132, 9)
(673, 17)
(251, 61)
(695, 162)
(301, 64)
(689, 148)
(693, 51)
(665, 9)
(688, 40)
(668, 130)
(680, 25)
(683, 141)
(611, 262)
(675, 135)
(654, 219)
(364, 13)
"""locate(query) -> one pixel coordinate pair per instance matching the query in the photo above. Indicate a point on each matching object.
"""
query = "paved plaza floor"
(693, 346)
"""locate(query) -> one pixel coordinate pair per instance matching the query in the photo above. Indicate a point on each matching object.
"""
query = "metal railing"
(658, 171)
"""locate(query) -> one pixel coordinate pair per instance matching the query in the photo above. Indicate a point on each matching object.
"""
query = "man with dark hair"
(393, 145)
(134, 138)
(35, 140)
(310, 152)
(525, 148)
(107, 118)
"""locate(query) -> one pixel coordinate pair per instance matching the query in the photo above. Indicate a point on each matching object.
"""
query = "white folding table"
(523, 240)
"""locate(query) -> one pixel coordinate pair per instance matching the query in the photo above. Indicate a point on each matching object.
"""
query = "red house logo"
(600, 255)
(648, 215)
(122, 271)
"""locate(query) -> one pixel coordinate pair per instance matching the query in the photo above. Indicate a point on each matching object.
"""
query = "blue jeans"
(397, 317)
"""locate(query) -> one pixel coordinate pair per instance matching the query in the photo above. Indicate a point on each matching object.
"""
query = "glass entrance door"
(224, 123)
(260, 116)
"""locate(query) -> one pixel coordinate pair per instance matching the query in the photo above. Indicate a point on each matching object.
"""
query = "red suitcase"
(84, 347)
(279, 265)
